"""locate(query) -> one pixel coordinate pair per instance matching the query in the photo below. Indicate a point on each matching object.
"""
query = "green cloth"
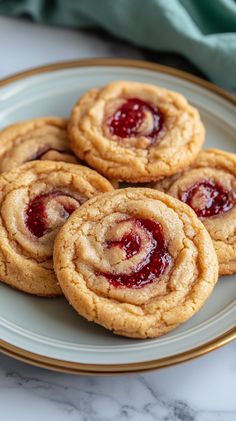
(204, 31)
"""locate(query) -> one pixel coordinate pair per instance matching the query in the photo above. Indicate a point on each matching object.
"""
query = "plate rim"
(106, 369)
(112, 369)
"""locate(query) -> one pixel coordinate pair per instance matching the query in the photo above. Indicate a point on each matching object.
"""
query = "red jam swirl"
(130, 243)
(149, 269)
(36, 216)
(127, 120)
(208, 198)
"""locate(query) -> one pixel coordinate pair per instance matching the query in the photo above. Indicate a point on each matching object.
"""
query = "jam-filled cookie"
(209, 187)
(37, 139)
(135, 132)
(35, 201)
(136, 261)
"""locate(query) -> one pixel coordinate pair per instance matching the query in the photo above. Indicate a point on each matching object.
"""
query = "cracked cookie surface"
(136, 261)
(135, 132)
(37, 139)
(209, 187)
(35, 201)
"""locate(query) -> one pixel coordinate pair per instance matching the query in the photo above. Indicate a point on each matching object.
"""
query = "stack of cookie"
(137, 260)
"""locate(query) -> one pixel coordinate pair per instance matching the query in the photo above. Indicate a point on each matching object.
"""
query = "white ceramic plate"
(48, 332)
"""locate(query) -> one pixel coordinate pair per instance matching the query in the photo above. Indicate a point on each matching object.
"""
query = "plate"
(48, 332)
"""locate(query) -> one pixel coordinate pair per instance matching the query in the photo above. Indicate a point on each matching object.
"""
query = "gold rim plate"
(102, 369)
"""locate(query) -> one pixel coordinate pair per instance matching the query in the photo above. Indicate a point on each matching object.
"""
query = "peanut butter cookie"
(135, 132)
(209, 187)
(36, 139)
(35, 201)
(136, 261)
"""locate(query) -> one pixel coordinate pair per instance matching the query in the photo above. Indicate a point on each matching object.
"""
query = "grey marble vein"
(159, 395)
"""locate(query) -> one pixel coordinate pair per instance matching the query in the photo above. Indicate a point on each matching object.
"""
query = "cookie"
(35, 200)
(209, 187)
(37, 139)
(135, 261)
(135, 132)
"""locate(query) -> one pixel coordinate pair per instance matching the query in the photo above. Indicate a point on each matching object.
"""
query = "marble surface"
(199, 390)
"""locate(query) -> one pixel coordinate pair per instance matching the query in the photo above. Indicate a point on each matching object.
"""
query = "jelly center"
(130, 243)
(154, 264)
(208, 198)
(40, 219)
(136, 118)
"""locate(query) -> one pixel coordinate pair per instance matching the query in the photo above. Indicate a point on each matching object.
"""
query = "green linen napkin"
(204, 31)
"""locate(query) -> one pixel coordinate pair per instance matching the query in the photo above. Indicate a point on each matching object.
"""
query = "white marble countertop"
(200, 390)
